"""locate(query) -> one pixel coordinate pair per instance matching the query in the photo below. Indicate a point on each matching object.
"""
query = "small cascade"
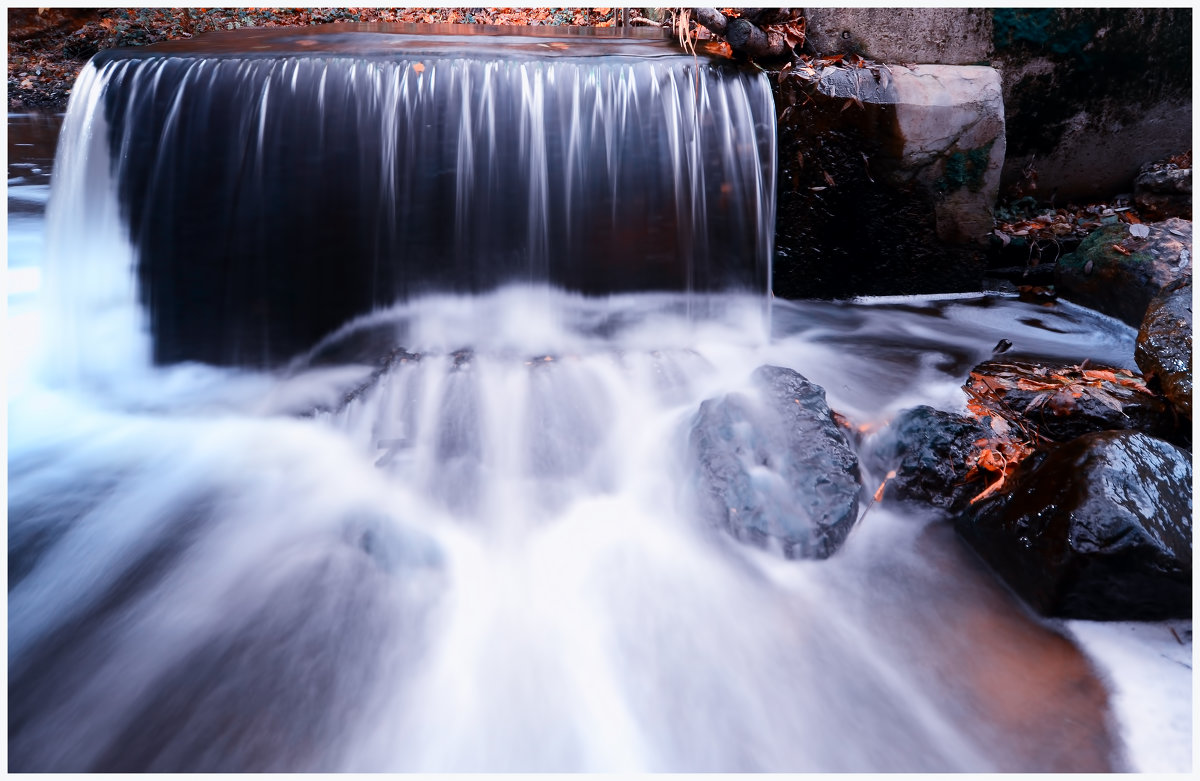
(438, 506)
(274, 187)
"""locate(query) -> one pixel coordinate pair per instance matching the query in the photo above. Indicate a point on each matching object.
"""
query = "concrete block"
(948, 136)
(945, 36)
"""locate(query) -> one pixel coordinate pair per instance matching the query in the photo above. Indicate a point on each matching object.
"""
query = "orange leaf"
(1100, 374)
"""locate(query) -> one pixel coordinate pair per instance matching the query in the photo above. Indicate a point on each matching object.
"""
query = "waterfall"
(435, 508)
(271, 192)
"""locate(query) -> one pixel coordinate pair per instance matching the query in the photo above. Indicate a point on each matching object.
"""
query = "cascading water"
(460, 531)
(275, 188)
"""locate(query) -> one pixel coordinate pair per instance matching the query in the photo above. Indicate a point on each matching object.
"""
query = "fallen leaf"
(1108, 400)
(1100, 374)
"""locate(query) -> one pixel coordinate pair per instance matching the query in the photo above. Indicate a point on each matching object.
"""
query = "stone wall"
(942, 36)
(1090, 94)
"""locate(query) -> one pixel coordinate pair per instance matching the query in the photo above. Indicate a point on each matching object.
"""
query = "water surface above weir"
(362, 39)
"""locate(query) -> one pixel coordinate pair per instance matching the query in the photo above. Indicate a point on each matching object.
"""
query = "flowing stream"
(484, 555)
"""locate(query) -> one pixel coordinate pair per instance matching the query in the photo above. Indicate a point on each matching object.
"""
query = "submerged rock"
(930, 452)
(776, 467)
(1100, 529)
(1164, 345)
(1118, 273)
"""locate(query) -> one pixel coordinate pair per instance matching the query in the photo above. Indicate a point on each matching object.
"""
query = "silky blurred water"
(486, 557)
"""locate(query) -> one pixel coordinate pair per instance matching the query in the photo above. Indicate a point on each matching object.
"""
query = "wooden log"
(753, 41)
(743, 36)
(712, 19)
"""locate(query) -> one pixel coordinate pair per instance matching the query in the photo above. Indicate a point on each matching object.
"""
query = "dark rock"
(1060, 403)
(1100, 529)
(929, 451)
(1162, 192)
(1123, 285)
(1164, 345)
(776, 466)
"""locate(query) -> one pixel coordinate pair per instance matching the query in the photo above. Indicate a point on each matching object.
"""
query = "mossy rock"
(1101, 276)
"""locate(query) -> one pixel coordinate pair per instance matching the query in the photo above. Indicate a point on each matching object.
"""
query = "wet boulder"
(1099, 529)
(930, 452)
(773, 467)
(1118, 271)
(1059, 403)
(1164, 345)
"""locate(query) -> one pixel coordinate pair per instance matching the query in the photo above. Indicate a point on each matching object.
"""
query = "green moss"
(965, 169)
(1097, 248)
